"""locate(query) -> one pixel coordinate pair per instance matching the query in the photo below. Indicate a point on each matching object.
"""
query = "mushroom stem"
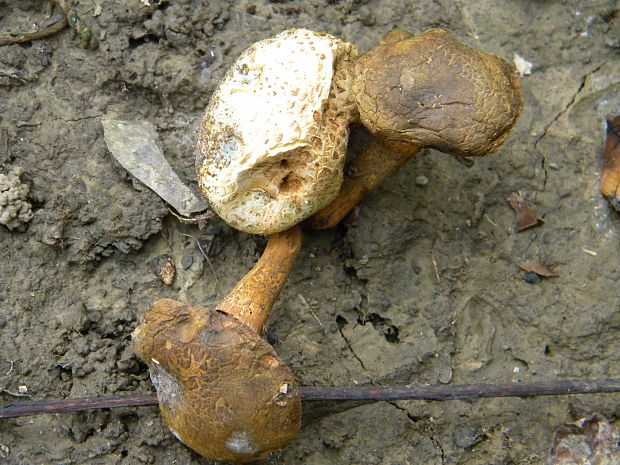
(221, 388)
(252, 298)
(364, 174)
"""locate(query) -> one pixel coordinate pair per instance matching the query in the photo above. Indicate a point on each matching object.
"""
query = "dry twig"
(357, 393)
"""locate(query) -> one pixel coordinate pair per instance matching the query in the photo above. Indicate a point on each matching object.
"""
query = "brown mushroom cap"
(222, 389)
(431, 90)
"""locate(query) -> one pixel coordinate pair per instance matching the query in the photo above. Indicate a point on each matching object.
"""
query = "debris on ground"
(588, 441)
(135, 144)
(540, 268)
(54, 24)
(15, 211)
(51, 26)
(164, 268)
(526, 216)
(524, 67)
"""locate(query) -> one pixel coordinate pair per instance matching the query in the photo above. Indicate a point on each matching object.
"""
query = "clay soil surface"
(423, 286)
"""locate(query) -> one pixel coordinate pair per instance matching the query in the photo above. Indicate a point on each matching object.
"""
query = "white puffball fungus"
(14, 207)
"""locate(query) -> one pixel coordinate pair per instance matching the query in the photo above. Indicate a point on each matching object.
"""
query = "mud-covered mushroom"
(222, 389)
(423, 91)
(272, 143)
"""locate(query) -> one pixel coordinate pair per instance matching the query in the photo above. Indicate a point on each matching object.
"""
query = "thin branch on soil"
(12, 76)
(334, 394)
(206, 257)
(307, 305)
(15, 394)
(58, 23)
(67, 16)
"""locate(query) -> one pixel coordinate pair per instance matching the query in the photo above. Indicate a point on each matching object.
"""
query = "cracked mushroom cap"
(272, 142)
(221, 388)
(431, 90)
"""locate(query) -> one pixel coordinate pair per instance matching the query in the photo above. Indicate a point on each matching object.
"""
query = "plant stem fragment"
(67, 16)
(334, 394)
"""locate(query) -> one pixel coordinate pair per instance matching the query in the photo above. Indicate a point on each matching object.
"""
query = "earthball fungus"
(272, 144)
(222, 390)
(273, 139)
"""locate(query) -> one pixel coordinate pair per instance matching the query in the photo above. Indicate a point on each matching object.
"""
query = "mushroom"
(426, 91)
(221, 388)
(272, 143)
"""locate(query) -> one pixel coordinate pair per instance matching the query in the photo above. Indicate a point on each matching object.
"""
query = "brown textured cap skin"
(222, 389)
(432, 90)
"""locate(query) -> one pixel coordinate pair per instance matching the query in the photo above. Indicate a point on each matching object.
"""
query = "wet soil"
(423, 286)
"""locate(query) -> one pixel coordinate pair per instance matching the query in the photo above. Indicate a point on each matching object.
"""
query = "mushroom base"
(222, 389)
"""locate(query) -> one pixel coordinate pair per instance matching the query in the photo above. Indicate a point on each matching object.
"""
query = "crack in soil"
(358, 309)
(412, 418)
(438, 446)
(357, 357)
(567, 107)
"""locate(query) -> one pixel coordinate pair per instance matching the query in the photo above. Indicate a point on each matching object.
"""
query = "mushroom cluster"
(271, 154)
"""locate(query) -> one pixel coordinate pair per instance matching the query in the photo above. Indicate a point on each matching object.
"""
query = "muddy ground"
(425, 287)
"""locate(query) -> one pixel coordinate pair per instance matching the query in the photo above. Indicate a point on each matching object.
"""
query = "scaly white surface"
(268, 108)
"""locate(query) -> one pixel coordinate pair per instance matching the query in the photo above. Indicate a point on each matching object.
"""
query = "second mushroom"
(222, 390)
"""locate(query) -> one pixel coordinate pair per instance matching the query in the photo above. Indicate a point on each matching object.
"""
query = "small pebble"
(187, 261)
(531, 278)
(421, 180)
(466, 435)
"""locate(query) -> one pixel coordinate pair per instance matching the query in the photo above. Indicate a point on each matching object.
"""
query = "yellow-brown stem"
(364, 174)
(252, 298)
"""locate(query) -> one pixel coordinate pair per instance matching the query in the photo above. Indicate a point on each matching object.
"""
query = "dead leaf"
(589, 441)
(540, 268)
(136, 146)
(164, 268)
(526, 216)
(610, 168)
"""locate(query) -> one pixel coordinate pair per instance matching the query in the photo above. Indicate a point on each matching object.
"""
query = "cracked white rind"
(273, 139)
